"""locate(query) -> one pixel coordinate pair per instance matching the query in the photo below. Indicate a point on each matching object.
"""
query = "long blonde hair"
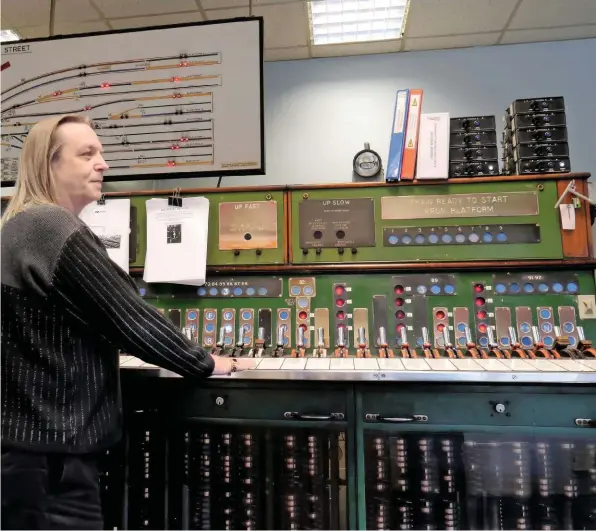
(35, 183)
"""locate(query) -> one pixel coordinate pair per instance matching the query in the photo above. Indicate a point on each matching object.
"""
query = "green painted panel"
(432, 212)
(372, 295)
(215, 256)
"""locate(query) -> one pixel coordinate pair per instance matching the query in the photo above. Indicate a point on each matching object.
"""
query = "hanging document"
(110, 221)
(177, 241)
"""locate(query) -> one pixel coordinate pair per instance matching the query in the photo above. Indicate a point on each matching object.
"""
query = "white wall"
(320, 112)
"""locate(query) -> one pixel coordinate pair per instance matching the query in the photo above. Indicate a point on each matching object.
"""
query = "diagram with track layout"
(148, 113)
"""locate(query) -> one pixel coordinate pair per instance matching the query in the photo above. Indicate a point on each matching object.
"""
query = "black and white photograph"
(175, 233)
(111, 241)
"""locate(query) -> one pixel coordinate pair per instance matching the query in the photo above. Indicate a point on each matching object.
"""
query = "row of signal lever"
(561, 348)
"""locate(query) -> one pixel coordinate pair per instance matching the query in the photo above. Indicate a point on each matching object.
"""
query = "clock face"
(367, 164)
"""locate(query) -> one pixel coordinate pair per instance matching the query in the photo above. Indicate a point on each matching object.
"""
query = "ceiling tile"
(216, 14)
(133, 8)
(75, 11)
(360, 48)
(26, 13)
(286, 54)
(551, 34)
(285, 24)
(34, 32)
(219, 4)
(454, 41)
(158, 20)
(70, 28)
(548, 13)
(450, 17)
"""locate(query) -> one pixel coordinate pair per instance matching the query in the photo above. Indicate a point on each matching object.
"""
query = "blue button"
(393, 239)
(419, 239)
(246, 315)
(302, 302)
(237, 291)
(435, 290)
(406, 239)
(572, 287)
(487, 237)
(548, 341)
(526, 341)
(283, 315)
(500, 288)
(143, 292)
(525, 328)
(209, 316)
(557, 287)
(192, 316)
(545, 314)
(460, 238)
(295, 290)
(547, 328)
(228, 340)
(505, 341)
(421, 290)
(447, 238)
(420, 342)
(501, 237)
(542, 287)
(250, 291)
(461, 341)
(227, 316)
(461, 327)
(474, 238)
(225, 291)
(308, 291)
(529, 288)
(484, 341)
(213, 292)
(210, 327)
(514, 287)
(568, 328)
(449, 289)
(572, 341)
(433, 238)
(262, 291)
(201, 292)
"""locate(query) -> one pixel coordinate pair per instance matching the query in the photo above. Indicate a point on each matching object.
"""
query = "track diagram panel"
(181, 101)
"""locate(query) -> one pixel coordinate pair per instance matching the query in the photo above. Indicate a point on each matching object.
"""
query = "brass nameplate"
(460, 205)
(248, 225)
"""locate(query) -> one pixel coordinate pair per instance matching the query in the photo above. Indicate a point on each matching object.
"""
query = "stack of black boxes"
(535, 137)
(473, 147)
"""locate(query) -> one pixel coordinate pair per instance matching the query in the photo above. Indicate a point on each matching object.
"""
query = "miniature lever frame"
(572, 190)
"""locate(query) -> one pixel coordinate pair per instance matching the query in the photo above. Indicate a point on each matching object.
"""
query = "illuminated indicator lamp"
(339, 302)
(400, 314)
(174, 79)
(400, 327)
(171, 163)
(482, 328)
(303, 326)
(183, 139)
(478, 288)
(174, 147)
(481, 314)
(440, 314)
(399, 290)
(183, 63)
(105, 85)
(480, 301)
(57, 93)
(339, 290)
(302, 315)
(340, 315)
(88, 107)
(399, 302)
(440, 327)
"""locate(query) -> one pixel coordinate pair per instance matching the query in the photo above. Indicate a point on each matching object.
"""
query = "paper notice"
(111, 223)
(177, 241)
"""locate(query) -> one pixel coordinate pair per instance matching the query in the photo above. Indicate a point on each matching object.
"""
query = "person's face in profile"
(79, 165)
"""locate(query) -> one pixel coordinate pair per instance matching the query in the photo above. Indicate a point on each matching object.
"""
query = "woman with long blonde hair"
(67, 309)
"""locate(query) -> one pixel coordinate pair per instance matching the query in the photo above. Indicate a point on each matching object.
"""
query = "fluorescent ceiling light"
(343, 21)
(9, 35)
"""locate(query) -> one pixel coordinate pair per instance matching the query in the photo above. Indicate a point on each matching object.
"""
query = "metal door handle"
(375, 417)
(299, 416)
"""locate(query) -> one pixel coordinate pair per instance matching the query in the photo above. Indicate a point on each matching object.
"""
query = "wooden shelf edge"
(455, 180)
(588, 263)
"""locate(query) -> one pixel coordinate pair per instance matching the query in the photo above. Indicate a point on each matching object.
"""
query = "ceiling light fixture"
(9, 35)
(349, 21)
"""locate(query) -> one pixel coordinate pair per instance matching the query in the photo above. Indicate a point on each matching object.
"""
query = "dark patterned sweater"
(66, 310)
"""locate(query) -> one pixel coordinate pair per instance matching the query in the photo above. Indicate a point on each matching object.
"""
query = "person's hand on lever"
(226, 366)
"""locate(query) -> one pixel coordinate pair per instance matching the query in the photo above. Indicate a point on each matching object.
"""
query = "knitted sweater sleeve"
(91, 285)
